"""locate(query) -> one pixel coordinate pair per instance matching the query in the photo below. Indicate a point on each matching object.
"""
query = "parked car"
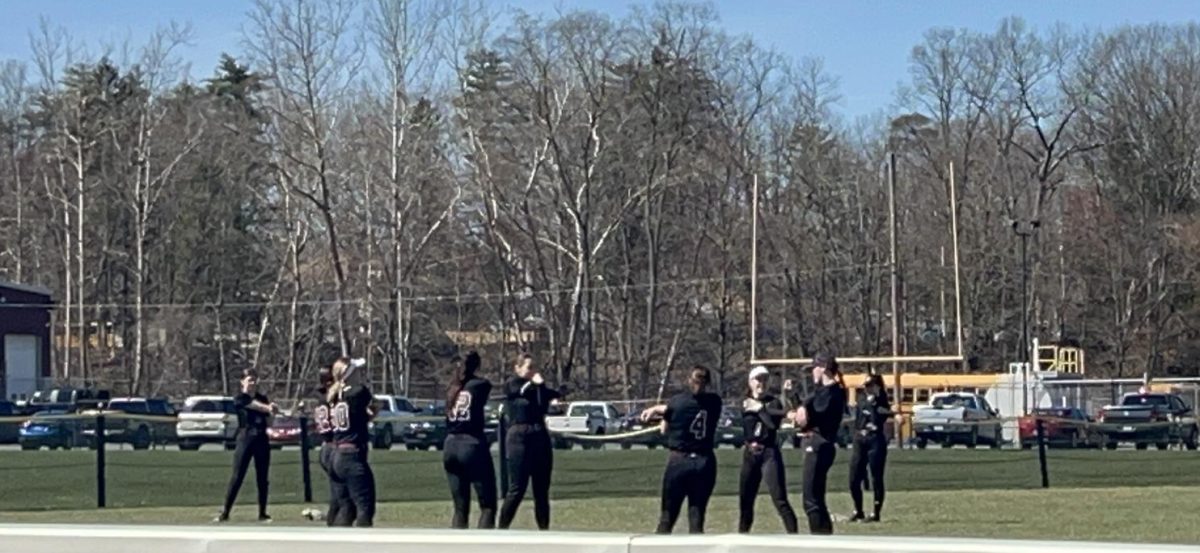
(1064, 427)
(957, 418)
(9, 431)
(51, 429)
(632, 423)
(141, 433)
(81, 398)
(1150, 418)
(427, 430)
(207, 420)
(392, 413)
(729, 429)
(582, 417)
(285, 430)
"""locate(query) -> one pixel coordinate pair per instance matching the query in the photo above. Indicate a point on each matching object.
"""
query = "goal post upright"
(896, 359)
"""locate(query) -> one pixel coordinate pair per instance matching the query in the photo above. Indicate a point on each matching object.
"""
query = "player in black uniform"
(870, 446)
(528, 442)
(254, 412)
(467, 458)
(690, 423)
(341, 509)
(762, 415)
(350, 412)
(818, 419)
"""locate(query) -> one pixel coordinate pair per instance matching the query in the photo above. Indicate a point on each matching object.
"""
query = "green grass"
(1103, 495)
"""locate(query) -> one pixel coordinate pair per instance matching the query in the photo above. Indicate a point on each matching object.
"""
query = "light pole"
(1025, 230)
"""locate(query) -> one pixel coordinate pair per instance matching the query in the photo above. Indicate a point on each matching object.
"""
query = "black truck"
(1149, 418)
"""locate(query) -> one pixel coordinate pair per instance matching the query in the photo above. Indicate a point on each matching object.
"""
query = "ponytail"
(461, 375)
(338, 373)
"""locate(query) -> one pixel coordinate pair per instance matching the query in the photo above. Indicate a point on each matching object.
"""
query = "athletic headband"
(759, 371)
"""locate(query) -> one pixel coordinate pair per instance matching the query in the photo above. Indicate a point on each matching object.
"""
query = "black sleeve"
(263, 399)
(771, 412)
(671, 407)
(242, 400)
(360, 398)
(512, 389)
(483, 389)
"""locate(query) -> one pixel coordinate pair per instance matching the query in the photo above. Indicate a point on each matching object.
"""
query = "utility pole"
(1025, 230)
(897, 389)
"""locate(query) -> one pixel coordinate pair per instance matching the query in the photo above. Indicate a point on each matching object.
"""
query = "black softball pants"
(341, 508)
(869, 457)
(468, 463)
(252, 445)
(350, 467)
(759, 464)
(530, 457)
(689, 476)
(818, 459)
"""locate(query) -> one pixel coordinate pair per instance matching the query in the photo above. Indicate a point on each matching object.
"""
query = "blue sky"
(865, 43)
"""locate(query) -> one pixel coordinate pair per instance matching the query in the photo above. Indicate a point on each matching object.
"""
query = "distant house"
(24, 339)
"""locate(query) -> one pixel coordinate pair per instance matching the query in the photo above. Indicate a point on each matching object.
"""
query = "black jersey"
(825, 408)
(351, 416)
(528, 402)
(251, 419)
(762, 426)
(873, 411)
(466, 415)
(692, 421)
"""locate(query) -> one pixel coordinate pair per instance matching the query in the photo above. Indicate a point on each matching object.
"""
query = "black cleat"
(857, 517)
(872, 519)
(265, 519)
(221, 519)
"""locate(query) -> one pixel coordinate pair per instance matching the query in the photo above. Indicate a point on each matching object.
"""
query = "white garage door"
(20, 365)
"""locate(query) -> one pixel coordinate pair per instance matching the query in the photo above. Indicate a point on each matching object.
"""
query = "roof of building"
(27, 289)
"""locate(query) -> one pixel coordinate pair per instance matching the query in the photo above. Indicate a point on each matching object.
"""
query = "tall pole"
(958, 327)
(754, 271)
(1025, 323)
(891, 171)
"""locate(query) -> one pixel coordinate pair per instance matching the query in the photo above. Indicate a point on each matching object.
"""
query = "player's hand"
(537, 379)
(788, 385)
(274, 409)
(751, 405)
(647, 415)
(800, 417)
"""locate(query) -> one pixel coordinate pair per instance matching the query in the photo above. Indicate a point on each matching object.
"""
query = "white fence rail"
(165, 539)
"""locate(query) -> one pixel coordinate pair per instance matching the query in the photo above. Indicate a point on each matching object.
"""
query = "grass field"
(1100, 495)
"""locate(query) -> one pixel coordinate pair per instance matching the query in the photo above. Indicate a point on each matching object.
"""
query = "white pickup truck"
(957, 418)
(391, 416)
(583, 417)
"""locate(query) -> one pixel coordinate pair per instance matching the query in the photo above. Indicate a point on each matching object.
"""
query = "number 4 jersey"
(466, 415)
(692, 421)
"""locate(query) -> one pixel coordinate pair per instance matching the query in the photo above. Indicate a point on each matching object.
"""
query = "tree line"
(406, 179)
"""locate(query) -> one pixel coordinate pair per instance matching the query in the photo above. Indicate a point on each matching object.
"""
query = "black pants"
(818, 459)
(341, 509)
(870, 454)
(759, 463)
(688, 476)
(468, 462)
(529, 458)
(350, 466)
(251, 446)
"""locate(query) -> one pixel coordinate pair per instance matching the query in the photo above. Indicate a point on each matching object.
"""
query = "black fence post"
(305, 469)
(1041, 439)
(500, 431)
(101, 494)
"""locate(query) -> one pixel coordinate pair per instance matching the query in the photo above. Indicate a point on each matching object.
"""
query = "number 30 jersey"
(692, 421)
(465, 416)
(322, 420)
